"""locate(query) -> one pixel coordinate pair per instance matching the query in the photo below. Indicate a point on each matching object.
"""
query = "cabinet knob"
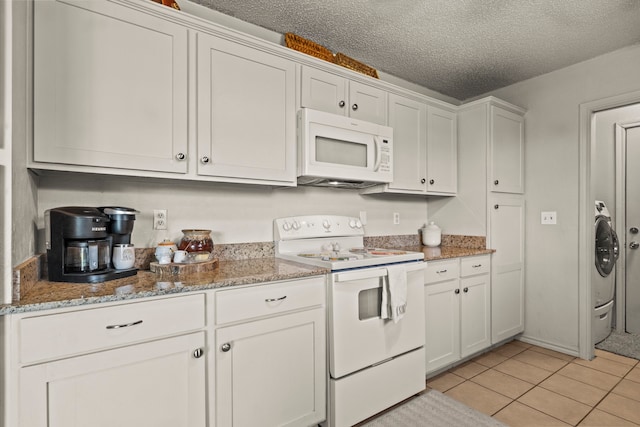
(496, 206)
(225, 347)
(466, 290)
(341, 104)
(181, 156)
(432, 181)
(422, 181)
(354, 107)
(204, 160)
(457, 291)
(198, 352)
(496, 182)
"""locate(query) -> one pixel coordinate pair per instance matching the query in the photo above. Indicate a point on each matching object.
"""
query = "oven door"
(358, 336)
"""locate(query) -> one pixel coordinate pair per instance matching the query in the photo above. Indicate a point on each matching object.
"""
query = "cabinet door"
(159, 383)
(367, 103)
(442, 317)
(273, 373)
(246, 113)
(324, 91)
(475, 330)
(110, 87)
(507, 282)
(506, 152)
(408, 118)
(442, 151)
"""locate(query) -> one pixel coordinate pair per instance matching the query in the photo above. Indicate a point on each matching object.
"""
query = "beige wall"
(552, 184)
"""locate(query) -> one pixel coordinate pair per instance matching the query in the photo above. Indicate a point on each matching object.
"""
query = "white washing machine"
(603, 279)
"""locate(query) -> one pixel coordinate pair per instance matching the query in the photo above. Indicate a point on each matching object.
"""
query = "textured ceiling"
(460, 48)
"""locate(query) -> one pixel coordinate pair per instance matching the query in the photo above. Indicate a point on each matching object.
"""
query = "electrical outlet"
(548, 218)
(396, 218)
(159, 219)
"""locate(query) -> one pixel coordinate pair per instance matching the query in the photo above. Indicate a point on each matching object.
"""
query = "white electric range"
(372, 359)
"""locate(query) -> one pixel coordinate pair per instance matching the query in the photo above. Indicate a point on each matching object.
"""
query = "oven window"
(369, 301)
(339, 152)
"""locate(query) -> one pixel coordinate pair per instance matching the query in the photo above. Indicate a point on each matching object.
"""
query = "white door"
(507, 218)
(246, 113)
(442, 151)
(367, 103)
(442, 321)
(408, 118)
(272, 372)
(324, 91)
(104, 389)
(631, 234)
(506, 151)
(475, 314)
(110, 87)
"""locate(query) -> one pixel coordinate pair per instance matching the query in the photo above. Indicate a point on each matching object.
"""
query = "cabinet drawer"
(475, 265)
(64, 334)
(437, 271)
(264, 300)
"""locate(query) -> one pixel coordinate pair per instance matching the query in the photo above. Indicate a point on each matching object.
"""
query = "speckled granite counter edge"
(28, 274)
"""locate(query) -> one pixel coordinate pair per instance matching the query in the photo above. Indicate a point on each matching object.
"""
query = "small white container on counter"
(431, 235)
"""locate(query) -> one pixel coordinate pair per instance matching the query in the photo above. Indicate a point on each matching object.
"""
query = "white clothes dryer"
(607, 250)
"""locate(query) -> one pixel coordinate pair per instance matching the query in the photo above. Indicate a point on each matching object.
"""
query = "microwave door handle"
(378, 143)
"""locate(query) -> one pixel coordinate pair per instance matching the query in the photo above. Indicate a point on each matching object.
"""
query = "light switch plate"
(548, 218)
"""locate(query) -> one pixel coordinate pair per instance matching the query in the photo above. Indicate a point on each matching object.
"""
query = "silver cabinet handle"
(466, 290)
(457, 291)
(496, 206)
(432, 181)
(225, 347)
(181, 156)
(476, 265)
(422, 181)
(496, 182)
(354, 107)
(198, 353)
(634, 245)
(204, 160)
(633, 230)
(275, 299)
(341, 104)
(124, 325)
(441, 271)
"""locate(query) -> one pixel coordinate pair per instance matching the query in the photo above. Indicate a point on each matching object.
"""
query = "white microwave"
(339, 151)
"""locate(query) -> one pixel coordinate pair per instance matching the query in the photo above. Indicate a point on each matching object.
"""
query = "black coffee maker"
(79, 245)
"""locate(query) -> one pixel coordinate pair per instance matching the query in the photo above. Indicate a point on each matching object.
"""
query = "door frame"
(620, 219)
(586, 196)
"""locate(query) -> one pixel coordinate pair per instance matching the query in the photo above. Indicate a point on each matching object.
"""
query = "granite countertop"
(45, 295)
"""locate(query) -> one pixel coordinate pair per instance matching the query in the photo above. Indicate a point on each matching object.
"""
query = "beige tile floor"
(524, 385)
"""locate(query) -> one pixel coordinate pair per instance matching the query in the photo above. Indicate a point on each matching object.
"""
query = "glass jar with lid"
(197, 243)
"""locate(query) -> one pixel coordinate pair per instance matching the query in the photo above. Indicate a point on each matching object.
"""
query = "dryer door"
(607, 246)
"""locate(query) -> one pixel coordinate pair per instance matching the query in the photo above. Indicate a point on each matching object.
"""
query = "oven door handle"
(370, 273)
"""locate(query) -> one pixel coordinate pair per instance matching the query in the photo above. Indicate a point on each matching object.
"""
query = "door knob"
(633, 230)
(634, 245)
(457, 291)
(198, 352)
(432, 181)
(341, 104)
(180, 156)
(354, 107)
(496, 206)
(496, 182)
(225, 347)
(204, 160)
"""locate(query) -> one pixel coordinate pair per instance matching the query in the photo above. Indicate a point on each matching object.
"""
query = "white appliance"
(374, 362)
(339, 151)
(603, 280)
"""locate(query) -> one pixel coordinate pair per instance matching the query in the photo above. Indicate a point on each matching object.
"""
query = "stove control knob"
(358, 223)
(296, 225)
(326, 224)
(352, 223)
(286, 226)
(336, 247)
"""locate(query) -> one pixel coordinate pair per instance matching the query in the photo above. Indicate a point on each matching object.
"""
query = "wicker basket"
(352, 64)
(303, 45)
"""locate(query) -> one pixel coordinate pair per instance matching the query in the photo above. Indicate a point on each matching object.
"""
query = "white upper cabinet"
(506, 151)
(408, 118)
(442, 151)
(110, 87)
(335, 94)
(246, 112)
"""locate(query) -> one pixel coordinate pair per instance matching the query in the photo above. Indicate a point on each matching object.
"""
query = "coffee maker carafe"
(79, 246)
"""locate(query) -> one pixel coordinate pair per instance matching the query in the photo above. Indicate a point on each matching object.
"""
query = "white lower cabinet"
(127, 365)
(270, 355)
(457, 309)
